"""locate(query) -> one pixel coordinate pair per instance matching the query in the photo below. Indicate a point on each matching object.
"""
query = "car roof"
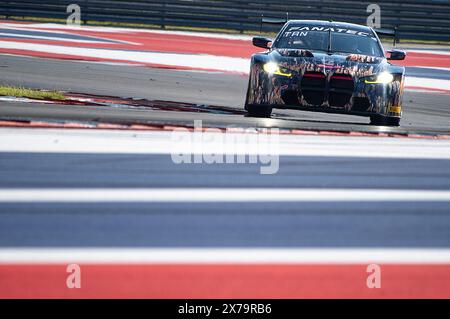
(345, 25)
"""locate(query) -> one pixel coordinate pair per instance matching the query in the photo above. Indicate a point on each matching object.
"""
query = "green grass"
(36, 19)
(30, 93)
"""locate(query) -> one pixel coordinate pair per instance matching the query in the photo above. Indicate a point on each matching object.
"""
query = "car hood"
(302, 61)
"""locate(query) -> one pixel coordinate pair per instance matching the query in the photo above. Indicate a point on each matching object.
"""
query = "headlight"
(382, 78)
(273, 68)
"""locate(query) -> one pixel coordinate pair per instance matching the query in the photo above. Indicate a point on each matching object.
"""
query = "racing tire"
(258, 110)
(384, 120)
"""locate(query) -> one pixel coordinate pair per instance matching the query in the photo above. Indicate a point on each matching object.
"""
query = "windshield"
(316, 38)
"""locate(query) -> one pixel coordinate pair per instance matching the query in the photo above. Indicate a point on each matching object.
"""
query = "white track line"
(200, 61)
(223, 256)
(37, 37)
(208, 195)
(427, 83)
(165, 142)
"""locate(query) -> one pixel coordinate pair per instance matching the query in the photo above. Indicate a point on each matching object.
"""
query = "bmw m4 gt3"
(329, 67)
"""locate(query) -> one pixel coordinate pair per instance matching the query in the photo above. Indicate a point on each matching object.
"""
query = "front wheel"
(384, 120)
(258, 110)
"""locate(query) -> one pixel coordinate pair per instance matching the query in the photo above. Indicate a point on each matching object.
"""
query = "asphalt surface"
(331, 224)
(287, 224)
(423, 112)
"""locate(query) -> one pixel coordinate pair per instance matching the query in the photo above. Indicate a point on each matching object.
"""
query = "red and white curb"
(224, 273)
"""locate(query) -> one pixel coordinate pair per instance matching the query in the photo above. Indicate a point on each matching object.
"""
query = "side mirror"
(262, 42)
(396, 55)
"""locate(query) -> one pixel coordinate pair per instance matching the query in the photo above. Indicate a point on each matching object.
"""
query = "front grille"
(313, 87)
(314, 80)
(342, 82)
(341, 90)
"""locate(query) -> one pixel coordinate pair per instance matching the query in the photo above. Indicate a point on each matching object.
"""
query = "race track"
(424, 112)
(119, 206)
(141, 225)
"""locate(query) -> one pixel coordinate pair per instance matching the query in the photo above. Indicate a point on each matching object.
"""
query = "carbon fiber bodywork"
(326, 82)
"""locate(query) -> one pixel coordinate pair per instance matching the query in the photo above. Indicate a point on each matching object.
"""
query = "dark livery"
(326, 67)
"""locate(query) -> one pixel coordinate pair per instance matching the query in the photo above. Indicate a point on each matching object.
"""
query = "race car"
(325, 66)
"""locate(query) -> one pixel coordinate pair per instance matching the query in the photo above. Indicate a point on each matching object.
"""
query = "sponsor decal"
(296, 31)
(395, 109)
(363, 58)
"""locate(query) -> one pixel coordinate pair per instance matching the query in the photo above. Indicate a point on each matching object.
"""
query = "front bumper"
(331, 93)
